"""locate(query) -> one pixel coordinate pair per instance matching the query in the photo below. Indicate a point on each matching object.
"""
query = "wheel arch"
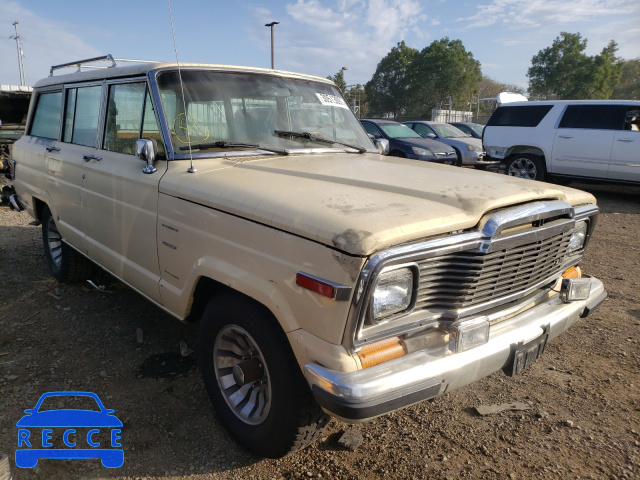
(526, 149)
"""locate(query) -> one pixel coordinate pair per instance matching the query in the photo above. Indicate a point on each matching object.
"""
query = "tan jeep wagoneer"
(327, 278)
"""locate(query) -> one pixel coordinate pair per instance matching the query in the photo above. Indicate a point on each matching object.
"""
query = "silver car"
(468, 149)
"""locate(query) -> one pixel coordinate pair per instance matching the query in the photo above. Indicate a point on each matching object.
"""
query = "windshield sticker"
(332, 100)
(187, 130)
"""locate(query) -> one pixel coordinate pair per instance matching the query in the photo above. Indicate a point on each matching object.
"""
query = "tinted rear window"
(520, 116)
(596, 117)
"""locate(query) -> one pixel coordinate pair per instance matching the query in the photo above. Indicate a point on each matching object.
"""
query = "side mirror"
(382, 144)
(146, 150)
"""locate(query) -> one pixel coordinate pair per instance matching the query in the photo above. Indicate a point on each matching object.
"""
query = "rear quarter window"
(594, 117)
(46, 118)
(519, 116)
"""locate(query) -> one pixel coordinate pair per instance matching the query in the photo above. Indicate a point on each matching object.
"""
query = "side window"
(82, 112)
(519, 116)
(594, 117)
(124, 117)
(371, 129)
(422, 130)
(46, 119)
(632, 119)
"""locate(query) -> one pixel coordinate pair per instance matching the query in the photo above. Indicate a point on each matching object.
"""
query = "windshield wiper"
(233, 145)
(317, 138)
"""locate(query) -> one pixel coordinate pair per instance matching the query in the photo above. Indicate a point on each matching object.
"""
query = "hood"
(358, 204)
(463, 141)
(432, 145)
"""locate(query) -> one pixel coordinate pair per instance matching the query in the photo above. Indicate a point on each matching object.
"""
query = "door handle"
(52, 149)
(625, 140)
(565, 136)
(88, 158)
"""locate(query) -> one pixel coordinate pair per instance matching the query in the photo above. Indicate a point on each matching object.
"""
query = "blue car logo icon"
(69, 433)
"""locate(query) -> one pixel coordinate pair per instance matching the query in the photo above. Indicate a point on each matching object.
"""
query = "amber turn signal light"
(573, 272)
(382, 351)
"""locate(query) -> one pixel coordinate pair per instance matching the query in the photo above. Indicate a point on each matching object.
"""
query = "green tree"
(629, 86)
(443, 68)
(387, 90)
(338, 79)
(357, 99)
(564, 71)
(490, 88)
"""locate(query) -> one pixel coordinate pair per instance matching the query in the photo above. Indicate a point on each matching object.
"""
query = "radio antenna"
(184, 105)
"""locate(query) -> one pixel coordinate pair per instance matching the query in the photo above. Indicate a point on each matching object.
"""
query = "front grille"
(466, 279)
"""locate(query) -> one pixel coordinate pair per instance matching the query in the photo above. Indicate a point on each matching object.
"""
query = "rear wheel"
(253, 379)
(65, 264)
(525, 166)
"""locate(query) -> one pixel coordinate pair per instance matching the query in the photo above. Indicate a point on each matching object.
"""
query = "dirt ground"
(584, 420)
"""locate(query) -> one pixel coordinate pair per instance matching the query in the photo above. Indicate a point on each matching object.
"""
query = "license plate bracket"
(527, 353)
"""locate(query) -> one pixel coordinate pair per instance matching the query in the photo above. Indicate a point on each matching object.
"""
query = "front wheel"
(525, 166)
(65, 264)
(253, 379)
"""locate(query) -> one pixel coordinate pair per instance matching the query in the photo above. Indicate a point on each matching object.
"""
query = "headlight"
(474, 148)
(392, 293)
(578, 237)
(423, 152)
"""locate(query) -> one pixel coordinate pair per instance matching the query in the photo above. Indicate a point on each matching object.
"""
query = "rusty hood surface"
(358, 204)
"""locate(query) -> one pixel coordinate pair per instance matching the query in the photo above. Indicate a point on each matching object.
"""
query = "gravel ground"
(584, 420)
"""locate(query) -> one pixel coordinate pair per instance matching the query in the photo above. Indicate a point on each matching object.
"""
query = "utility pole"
(17, 38)
(271, 25)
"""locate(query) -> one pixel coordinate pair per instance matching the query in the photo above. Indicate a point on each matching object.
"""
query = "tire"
(275, 413)
(525, 166)
(459, 160)
(65, 264)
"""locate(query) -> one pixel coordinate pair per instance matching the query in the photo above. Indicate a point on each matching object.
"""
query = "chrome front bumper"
(364, 394)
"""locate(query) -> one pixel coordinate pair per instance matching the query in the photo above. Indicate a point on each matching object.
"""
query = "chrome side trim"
(342, 292)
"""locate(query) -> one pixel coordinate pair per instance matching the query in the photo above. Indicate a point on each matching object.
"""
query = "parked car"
(404, 142)
(567, 139)
(468, 149)
(327, 279)
(473, 129)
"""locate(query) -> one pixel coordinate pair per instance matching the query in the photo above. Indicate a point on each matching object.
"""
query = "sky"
(317, 37)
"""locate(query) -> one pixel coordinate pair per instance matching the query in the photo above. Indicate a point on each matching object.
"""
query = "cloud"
(537, 13)
(45, 42)
(350, 33)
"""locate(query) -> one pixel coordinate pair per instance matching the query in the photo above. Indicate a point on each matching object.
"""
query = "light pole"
(271, 25)
(17, 38)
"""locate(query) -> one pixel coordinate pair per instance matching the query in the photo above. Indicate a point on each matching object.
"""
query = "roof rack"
(80, 64)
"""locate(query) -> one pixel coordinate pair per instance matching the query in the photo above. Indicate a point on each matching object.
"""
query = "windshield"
(239, 111)
(448, 131)
(476, 128)
(398, 131)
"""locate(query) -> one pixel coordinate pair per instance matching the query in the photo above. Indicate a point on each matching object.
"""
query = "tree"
(387, 90)
(338, 79)
(629, 86)
(357, 99)
(564, 71)
(489, 88)
(443, 68)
